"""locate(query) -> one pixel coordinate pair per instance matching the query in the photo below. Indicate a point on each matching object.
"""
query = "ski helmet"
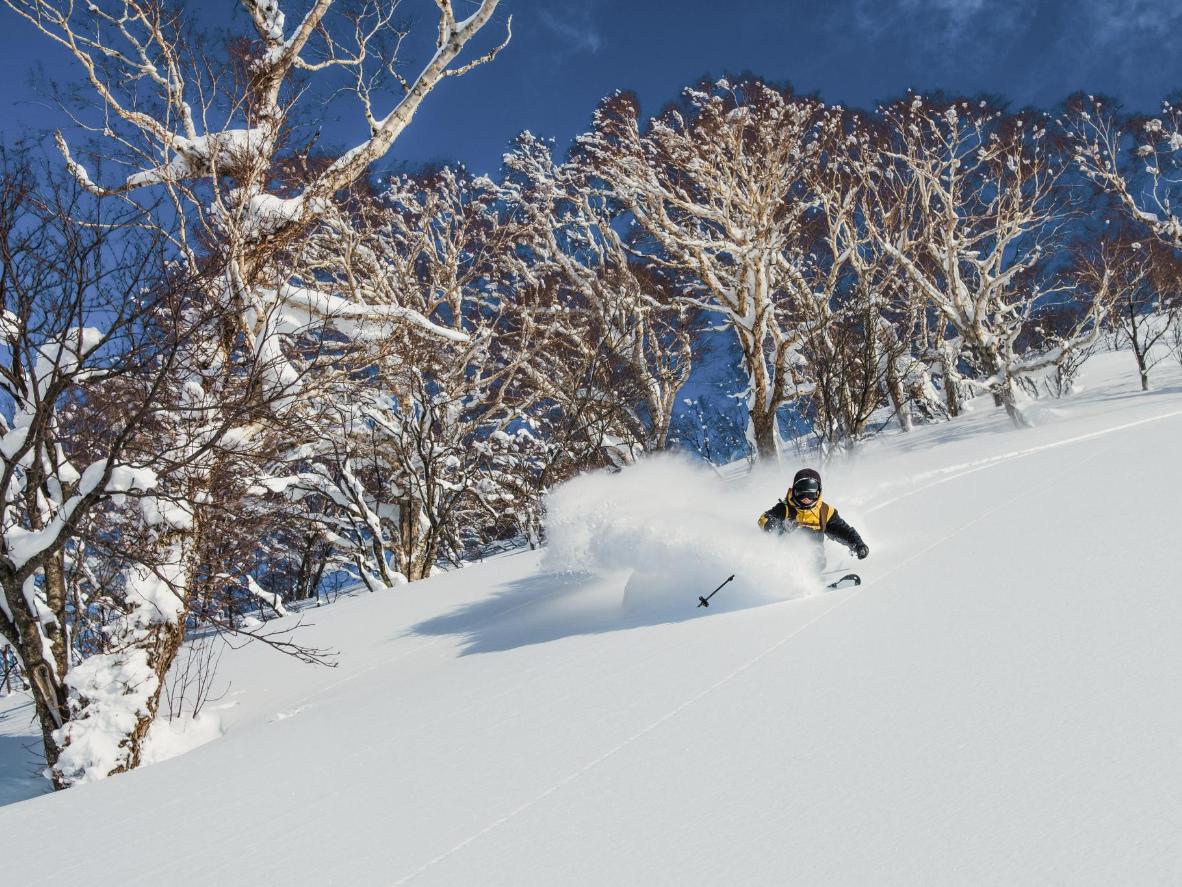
(806, 485)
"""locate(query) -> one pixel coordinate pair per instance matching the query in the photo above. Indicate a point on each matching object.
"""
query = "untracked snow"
(996, 705)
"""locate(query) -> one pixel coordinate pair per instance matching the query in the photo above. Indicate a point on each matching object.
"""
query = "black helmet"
(806, 486)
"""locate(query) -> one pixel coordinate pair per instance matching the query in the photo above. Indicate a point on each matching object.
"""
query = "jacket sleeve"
(773, 518)
(838, 530)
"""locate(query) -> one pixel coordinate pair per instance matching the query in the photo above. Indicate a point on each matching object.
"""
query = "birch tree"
(853, 350)
(206, 138)
(1142, 290)
(615, 302)
(417, 448)
(92, 326)
(720, 185)
(968, 206)
(1135, 160)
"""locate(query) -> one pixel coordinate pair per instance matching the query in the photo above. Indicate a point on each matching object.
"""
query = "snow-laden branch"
(723, 191)
(968, 222)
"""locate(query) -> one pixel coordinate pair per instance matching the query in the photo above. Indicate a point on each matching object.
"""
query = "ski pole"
(705, 601)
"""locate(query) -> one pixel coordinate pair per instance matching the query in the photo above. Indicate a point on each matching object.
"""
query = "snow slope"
(996, 705)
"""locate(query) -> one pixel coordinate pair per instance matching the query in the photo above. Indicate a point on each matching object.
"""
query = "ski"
(849, 580)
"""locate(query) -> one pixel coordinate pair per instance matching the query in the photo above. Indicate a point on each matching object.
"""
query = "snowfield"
(997, 704)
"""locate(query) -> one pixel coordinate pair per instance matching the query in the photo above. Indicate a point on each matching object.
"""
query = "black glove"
(773, 525)
(861, 551)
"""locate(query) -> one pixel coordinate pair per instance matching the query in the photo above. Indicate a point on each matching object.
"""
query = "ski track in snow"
(941, 476)
(1049, 483)
(952, 472)
(200, 808)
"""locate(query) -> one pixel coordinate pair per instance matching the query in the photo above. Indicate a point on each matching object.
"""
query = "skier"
(803, 508)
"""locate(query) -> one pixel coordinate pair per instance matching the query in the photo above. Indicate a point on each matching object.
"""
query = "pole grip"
(705, 601)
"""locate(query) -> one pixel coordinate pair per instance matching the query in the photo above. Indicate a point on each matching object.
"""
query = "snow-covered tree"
(969, 208)
(612, 301)
(720, 185)
(1136, 160)
(869, 320)
(416, 448)
(201, 144)
(1138, 279)
(90, 336)
(855, 354)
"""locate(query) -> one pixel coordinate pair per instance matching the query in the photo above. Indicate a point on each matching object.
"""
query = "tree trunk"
(534, 528)
(1142, 369)
(55, 597)
(411, 542)
(313, 587)
(49, 693)
(1006, 396)
(1138, 346)
(144, 645)
(9, 667)
(163, 644)
(951, 373)
(379, 557)
(659, 436)
(763, 427)
(899, 399)
(952, 400)
(426, 558)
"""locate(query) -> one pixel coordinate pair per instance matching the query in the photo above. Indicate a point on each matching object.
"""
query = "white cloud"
(1088, 23)
(1119, 22)
(1121, 47)
(941, 22)
(1101, 45)
(573, 25)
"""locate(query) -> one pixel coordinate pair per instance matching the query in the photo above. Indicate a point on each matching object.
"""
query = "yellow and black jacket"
(821, 518)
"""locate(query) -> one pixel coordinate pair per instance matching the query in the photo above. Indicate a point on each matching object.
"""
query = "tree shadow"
(21, 760)
(997, 422)
(1107, 396)
(946, 431)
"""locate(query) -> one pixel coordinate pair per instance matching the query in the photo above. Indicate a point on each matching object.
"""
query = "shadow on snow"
(549, 606)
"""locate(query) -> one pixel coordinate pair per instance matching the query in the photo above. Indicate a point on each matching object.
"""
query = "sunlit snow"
(995, 705)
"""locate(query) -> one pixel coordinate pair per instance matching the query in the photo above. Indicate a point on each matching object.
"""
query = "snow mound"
(169, 738)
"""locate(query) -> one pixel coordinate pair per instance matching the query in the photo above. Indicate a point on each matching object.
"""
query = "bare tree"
(415, 445)
(854, 352)
(1143, 178)
(1136, 278)
(1175, 338)
(79, 395)
(615, 301)
(968, 206)
(207, 137)
(721, 187)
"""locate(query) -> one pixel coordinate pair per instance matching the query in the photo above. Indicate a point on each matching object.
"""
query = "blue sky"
(566, 55)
